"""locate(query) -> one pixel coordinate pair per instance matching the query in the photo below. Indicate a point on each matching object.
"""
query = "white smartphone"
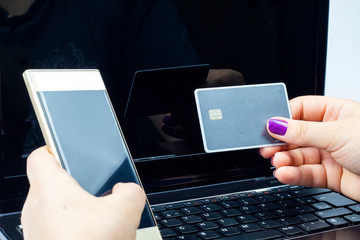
(80, 128)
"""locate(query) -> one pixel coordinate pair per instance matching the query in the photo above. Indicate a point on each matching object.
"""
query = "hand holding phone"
(81, 129)
(58, 208)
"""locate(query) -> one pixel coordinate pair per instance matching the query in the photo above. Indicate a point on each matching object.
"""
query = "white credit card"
(234, 118)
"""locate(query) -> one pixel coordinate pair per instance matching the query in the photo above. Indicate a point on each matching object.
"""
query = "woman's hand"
(58, 208)
(324, 145)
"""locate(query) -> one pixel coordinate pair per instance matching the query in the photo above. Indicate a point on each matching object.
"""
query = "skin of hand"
(324, 145)
(58, 208)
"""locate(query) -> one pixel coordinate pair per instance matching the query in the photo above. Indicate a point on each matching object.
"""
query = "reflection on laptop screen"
(265, 41)
(160, 117)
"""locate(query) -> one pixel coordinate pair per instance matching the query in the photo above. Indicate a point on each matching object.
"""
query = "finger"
(269, 152)
(297, 157)
(42, 166)
(305, 133)
(349, 182)
(316, 108)
(305, 175)
(131, 197)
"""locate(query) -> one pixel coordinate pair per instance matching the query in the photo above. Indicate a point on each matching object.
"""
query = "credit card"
(234, 118)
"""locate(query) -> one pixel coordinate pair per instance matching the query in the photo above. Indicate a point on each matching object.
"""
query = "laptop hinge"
(212, 190)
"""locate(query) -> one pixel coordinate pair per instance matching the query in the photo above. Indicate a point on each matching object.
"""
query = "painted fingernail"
(278, 127)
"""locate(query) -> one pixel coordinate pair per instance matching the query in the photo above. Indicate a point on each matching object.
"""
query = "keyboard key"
(208, 235)
(305, 200)
(309, 191)
(157, 216)
(250, 209)
(289, 221)
(266, 215)
(269, 206)
(355, 208)
(304, 209)
(321, 206)
(187, 237)
(208, 225)
(175, 206)
(281, 189)
(269, 224)
(283, 195)
(211, 216)
(288, 203)
(230, 204)
(314, 226)
(210, 207)
(234, 197)
(191, 219)
(229, 231)
(250, 227)
(259, 235)
(212, 200)
(186, 229)
(247, 218)
(191, 210)
(227, 222)
(172, 222)
(336, 212)
(337, 222)
(248, 194)
(232, 212)
(194, 203)
(285, 212)
(265, 192)
(248, 201)
(354, 218)
(290, 230)
(171, 214)
(167, 232)
(266, 198)
(158, 208)
(334, 199)
(307, 217)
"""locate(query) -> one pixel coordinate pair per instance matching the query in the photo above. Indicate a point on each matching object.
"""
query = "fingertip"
(131, 190)
(40, 164)
(277, 127)
(269, 152)
(288, 175)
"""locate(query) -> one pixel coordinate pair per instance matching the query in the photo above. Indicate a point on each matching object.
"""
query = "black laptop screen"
(260, 41)
(266, 41)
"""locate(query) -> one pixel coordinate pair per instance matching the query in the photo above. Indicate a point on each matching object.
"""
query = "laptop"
(230, 195)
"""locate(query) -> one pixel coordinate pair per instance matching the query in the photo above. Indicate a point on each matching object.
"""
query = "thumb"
(130, 197)
(304, 133)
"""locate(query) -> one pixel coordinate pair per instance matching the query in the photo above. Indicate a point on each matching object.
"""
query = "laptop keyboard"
(281, 212)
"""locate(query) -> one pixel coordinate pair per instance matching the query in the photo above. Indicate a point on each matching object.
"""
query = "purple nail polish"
(278, 127)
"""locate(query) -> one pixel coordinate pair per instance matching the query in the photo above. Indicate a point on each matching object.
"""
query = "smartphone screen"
(87, 137)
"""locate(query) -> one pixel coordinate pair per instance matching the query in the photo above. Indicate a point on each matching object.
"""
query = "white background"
(343, 55)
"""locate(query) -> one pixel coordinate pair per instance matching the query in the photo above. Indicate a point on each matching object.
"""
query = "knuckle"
(302, 131)
(134, 190)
